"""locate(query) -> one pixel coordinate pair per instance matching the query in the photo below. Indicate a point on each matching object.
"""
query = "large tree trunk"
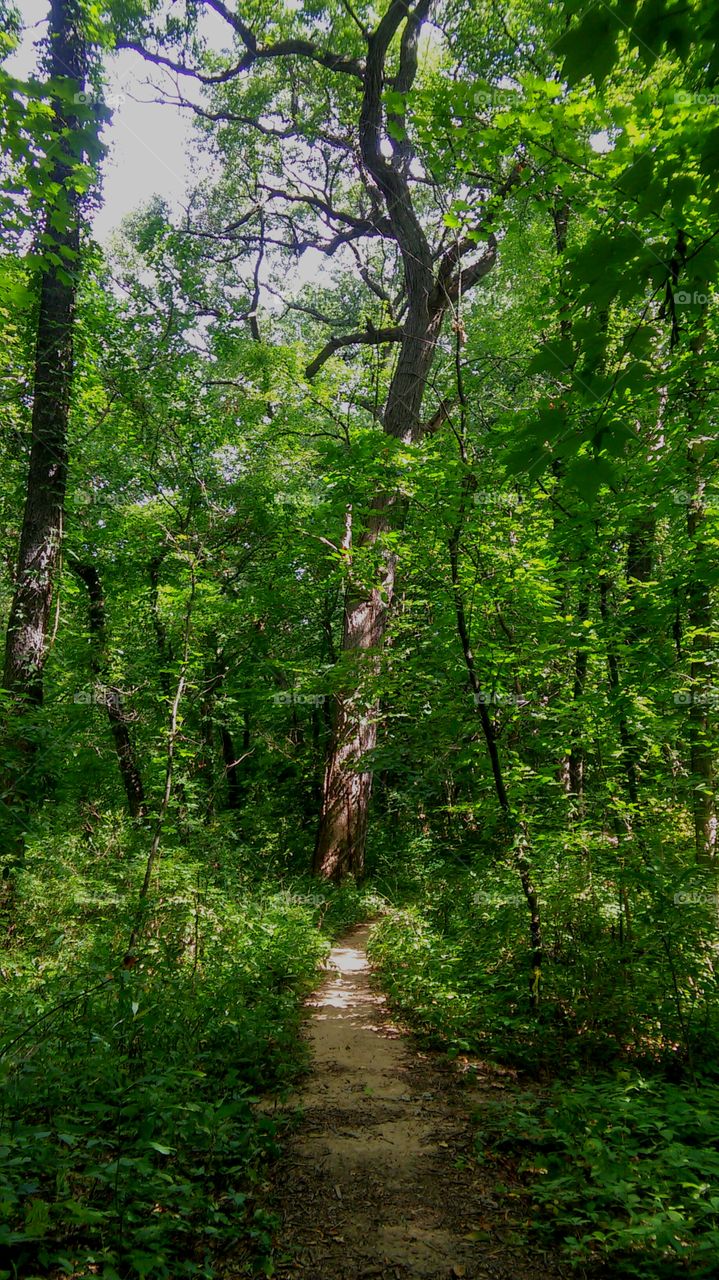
(26, 645)
(347, 785)
(126, 758)
(41, 534)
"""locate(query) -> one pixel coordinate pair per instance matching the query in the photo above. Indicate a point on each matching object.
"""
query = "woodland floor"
(377, 1179)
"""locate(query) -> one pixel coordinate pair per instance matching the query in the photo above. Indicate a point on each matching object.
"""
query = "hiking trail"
(378, 1178)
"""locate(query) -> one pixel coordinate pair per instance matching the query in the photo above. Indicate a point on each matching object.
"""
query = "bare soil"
(378, 1179)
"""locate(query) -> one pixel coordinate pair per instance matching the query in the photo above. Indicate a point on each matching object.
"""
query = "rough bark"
(429, 291)
(41, 533)
(39, 549)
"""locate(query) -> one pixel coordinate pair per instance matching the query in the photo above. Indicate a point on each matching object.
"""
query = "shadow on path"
(377, 1180)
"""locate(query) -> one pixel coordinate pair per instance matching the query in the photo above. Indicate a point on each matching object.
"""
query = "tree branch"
(392, 183)
(291, 48)
(381, 226)
(393, 333)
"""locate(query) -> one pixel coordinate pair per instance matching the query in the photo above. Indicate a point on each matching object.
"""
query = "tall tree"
(368, 153)
(59, 254)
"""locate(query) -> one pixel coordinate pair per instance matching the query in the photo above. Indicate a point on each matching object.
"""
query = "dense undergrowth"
(617, 1131)
(129, 1144)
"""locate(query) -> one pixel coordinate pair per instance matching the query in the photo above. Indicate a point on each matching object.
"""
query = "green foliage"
(625, 1172)
(564, 497)
(456, 961)
(130, 1135)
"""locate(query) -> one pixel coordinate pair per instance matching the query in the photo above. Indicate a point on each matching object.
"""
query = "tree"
(59, 260)
(57, 179)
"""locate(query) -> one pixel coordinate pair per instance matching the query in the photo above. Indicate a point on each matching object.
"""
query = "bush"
(128, 1135)
(625, 1171)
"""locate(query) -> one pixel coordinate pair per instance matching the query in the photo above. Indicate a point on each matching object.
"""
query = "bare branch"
(392, 182)
(367, 226)
(292, 48)
(180, 68)
(320, 316)
(439, 417)
(468, 276)
(393, 333)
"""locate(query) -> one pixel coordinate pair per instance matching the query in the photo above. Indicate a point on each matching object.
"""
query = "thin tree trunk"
(230, 762)
(615, 686)
(700, 616)
(572, 767)
(515, 829)
(576, 760)
(700, 625)
(164, 648)
(204, 763)
(173, 732)
(126, 758)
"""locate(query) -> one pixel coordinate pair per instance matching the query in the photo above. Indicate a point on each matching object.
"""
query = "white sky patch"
(601, 142)
(150, 144)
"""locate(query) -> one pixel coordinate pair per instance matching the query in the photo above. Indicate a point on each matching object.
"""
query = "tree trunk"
(516, 831)
(230, 762)
(430, 291)
(26, 644)
(347, 786)
(701, 749)
(699, 613)
(41, 534)
(164, 648)
(617, 694)
(581, 659)
(126, 758)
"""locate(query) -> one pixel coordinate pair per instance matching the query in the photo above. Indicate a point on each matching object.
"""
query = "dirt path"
(376, 1180)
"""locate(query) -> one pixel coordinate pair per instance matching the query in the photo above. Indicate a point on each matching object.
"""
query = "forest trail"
(376, 1181)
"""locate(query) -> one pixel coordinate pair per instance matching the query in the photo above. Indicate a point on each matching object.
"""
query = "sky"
(150, 144)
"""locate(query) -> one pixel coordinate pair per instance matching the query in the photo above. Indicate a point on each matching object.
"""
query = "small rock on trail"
(377, 1181)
